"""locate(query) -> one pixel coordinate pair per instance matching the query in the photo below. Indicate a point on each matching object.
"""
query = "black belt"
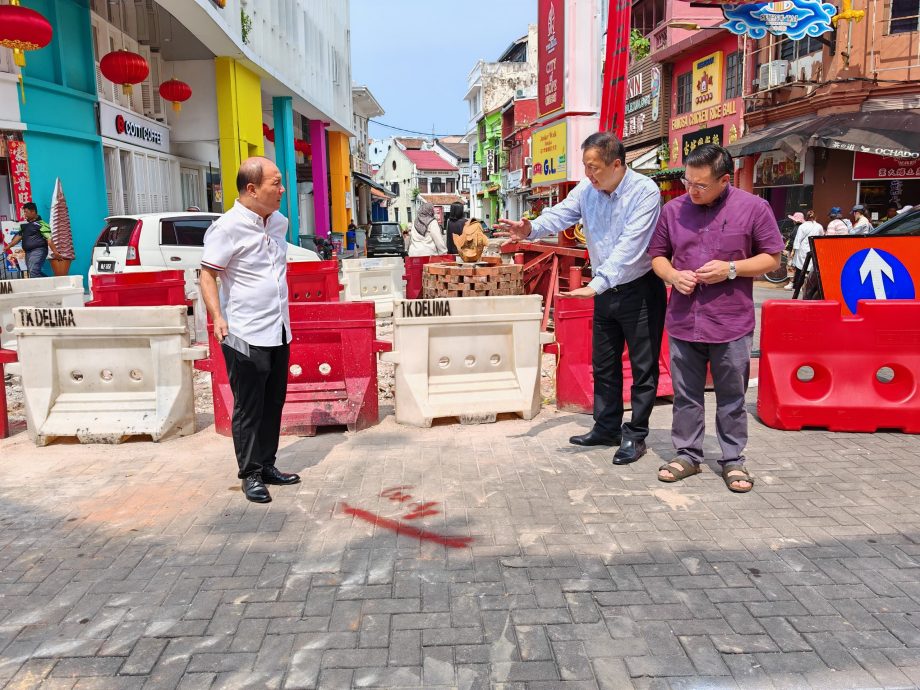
(623, 286)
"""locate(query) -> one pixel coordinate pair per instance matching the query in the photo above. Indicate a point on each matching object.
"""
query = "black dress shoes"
(255, 490)
(595, 437)
(629, 451)
(272, 475)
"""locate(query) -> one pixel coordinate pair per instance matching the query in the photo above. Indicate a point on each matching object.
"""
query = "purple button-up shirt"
(737, 226)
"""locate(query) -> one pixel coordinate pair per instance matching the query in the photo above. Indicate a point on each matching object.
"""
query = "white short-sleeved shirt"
(251, 256)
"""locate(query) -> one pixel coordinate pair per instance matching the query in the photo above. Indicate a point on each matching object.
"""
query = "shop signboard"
(779, 169)
(794, 19)
(643, 119)
(707, 82)
(868, 166)
(19, 174)
(710, 135)
(549, 154)
(550, 56)
(128, 127)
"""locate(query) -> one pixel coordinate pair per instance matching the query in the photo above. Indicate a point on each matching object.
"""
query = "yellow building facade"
(239, 119)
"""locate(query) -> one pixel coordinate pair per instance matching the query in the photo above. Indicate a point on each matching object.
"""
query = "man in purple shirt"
(709, 244)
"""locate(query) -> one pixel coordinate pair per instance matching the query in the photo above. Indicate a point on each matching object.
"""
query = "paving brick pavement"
(460, 557)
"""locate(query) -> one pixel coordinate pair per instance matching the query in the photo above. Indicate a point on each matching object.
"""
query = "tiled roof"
(410, 144)
(440, 199)
(461, 151)
(428, 160)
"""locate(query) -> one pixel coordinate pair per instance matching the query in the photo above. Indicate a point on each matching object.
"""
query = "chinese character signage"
(642, 119)
(19, 172)
(550, 55)
(795, 19)
(707, 82)
(868, 166)
(710, 135)
(549, 154)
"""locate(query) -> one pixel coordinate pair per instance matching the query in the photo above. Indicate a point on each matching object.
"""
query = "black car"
(907, 223)
(385, 239)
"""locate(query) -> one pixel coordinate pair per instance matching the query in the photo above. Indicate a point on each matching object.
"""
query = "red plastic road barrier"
(574, 374)
(544, 266)
(332, 375)
(313, 281)
(143, 289)
(842, 373)
(414, 268)
(6, 357)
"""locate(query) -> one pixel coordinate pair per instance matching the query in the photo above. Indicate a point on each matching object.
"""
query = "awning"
(884, 133)
(364, 179)
(645, 158)
(667, 172)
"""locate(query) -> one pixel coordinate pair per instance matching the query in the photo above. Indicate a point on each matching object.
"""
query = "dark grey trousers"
(731, 367)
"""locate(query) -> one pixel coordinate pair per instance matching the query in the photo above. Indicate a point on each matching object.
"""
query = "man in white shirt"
(247, 248)
(620, 208)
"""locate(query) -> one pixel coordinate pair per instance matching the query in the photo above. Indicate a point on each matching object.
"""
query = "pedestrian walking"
(861, 224)
(35, 236)
(619, 208)
(247, 248)
(425, 235)
(836, 225)
(709, 244)
(456, 220)
(808, 227)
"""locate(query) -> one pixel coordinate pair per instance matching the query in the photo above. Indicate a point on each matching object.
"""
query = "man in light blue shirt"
(619, 209)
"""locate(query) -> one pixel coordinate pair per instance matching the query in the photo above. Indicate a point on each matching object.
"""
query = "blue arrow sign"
(874, 274)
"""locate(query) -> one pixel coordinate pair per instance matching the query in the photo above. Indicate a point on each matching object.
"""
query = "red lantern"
(175, 91)
(125, 68)
(23, 29)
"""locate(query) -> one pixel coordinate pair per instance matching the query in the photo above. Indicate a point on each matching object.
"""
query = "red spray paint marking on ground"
(417, 510)
(408, 530)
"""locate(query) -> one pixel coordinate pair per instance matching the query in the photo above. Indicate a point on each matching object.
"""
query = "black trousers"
(633, 314)
(259, 385)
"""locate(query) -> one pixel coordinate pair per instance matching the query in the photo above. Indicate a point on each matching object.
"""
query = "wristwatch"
(731, 270)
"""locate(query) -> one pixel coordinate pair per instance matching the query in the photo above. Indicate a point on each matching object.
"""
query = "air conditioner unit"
(773, 74)
(528, 160)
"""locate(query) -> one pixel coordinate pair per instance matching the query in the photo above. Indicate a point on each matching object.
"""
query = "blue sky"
(415, 55)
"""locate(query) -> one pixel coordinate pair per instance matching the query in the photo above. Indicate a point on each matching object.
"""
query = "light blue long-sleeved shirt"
(618, 227)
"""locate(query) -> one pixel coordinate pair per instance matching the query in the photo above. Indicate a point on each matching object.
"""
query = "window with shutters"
(733, 75)
(684, 89)
(190, 181)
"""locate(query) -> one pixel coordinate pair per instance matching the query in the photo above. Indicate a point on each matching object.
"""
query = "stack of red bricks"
(472, 280)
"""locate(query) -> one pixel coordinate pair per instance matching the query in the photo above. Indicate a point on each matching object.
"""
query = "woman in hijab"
(455, 223)
(426, 238)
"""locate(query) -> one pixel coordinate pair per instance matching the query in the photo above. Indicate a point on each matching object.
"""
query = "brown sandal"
(735, 472)
(687, 469)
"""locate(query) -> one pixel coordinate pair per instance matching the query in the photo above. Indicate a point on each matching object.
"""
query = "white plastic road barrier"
(65, 291)
(467, 357)
(380, 280)
(104, 373)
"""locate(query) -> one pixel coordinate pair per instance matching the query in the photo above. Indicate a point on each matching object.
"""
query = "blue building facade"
(62, 135)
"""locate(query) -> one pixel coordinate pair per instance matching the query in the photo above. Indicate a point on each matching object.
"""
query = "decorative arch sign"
(794, 19)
